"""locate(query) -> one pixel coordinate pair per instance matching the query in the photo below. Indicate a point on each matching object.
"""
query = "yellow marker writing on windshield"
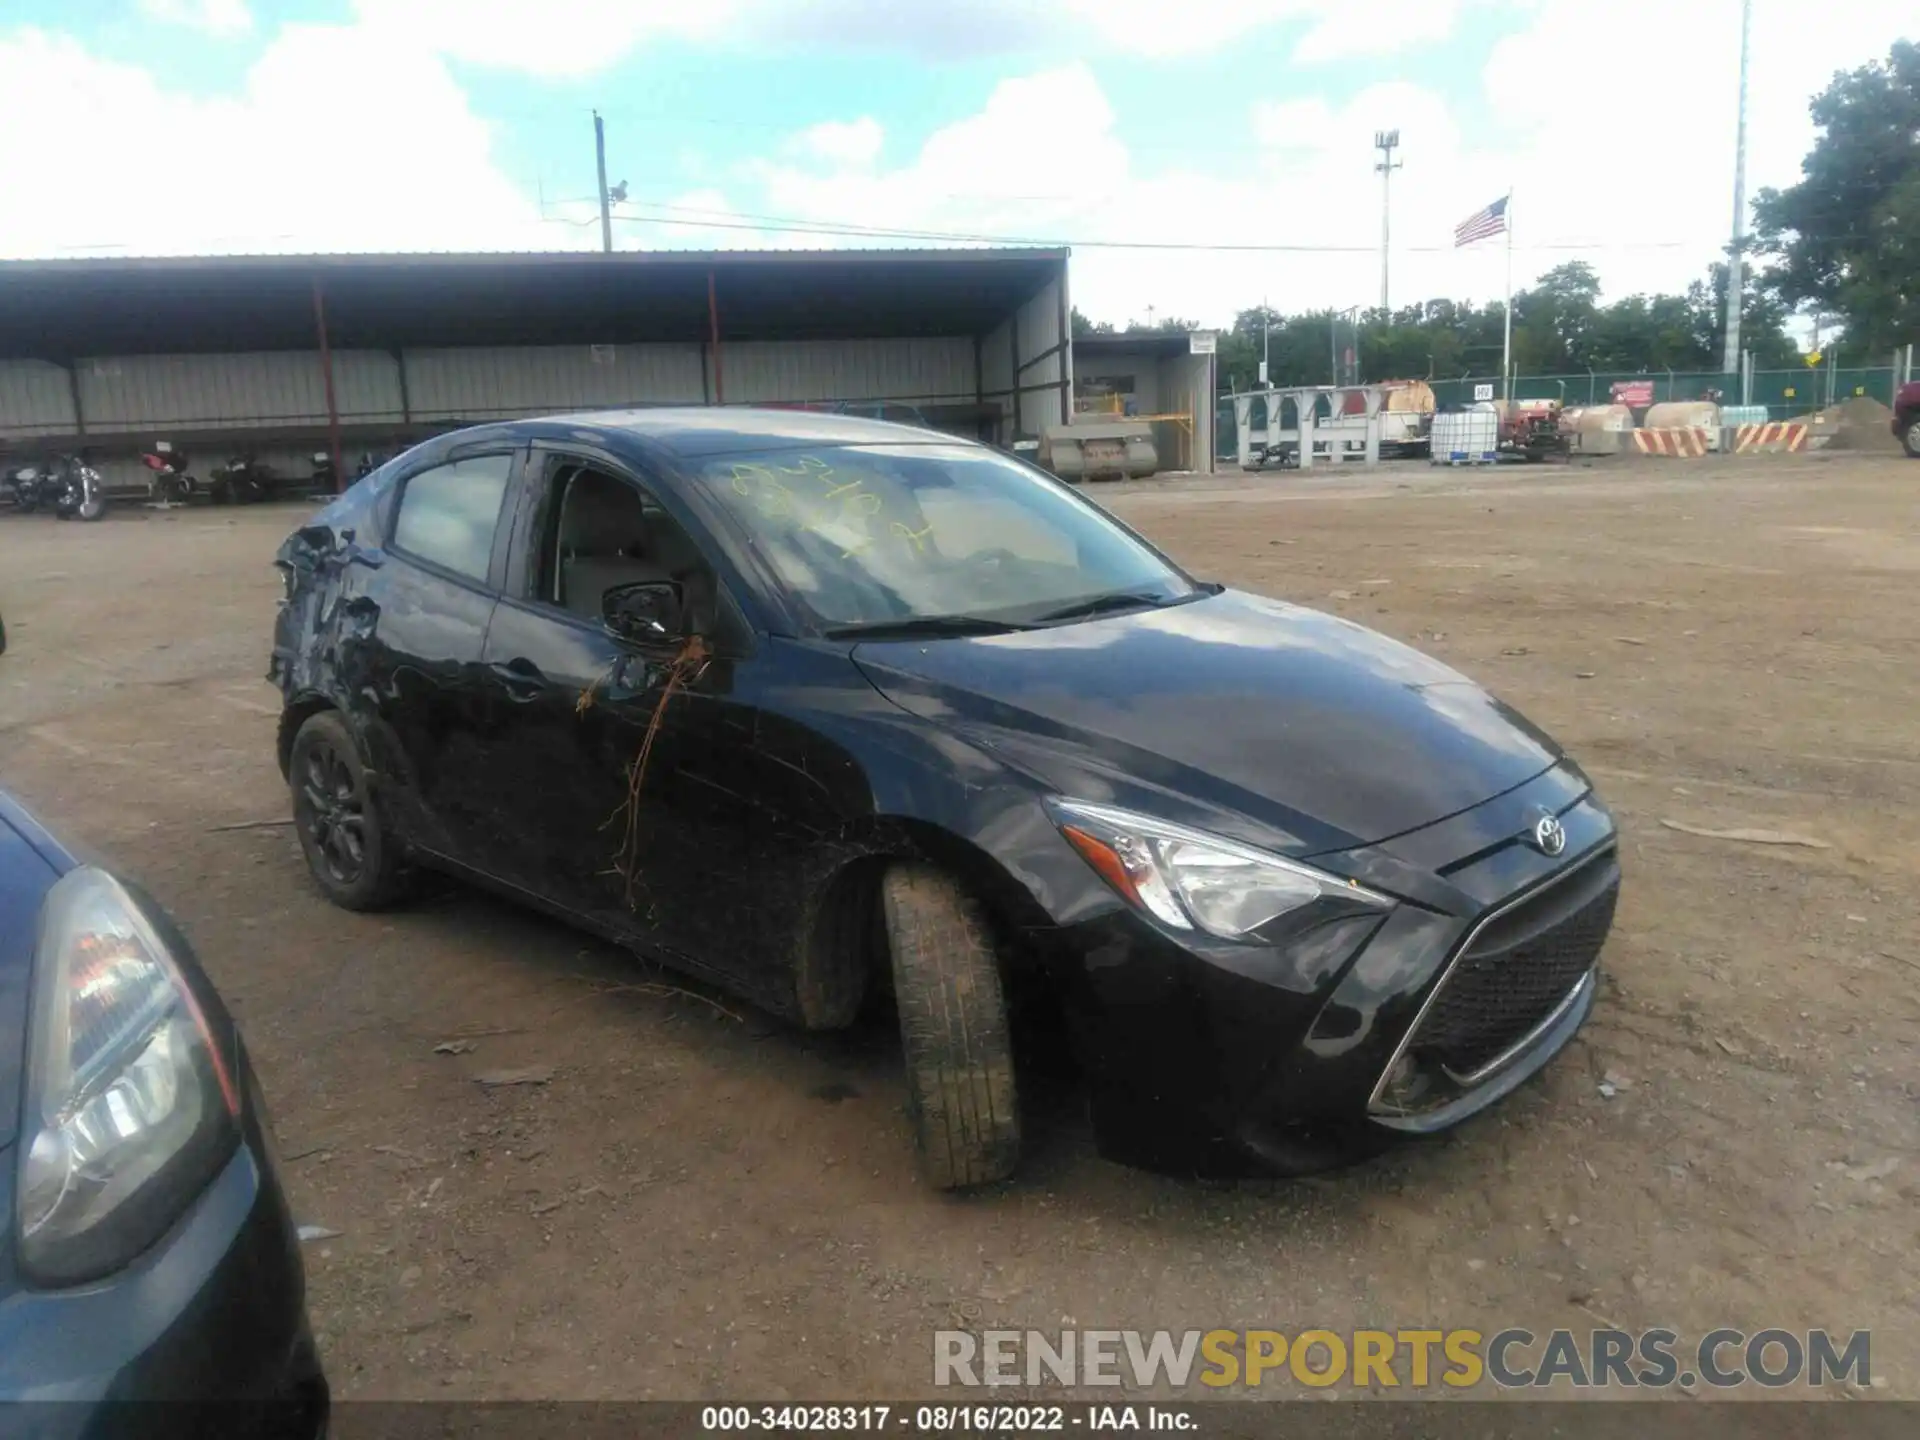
(918, 537)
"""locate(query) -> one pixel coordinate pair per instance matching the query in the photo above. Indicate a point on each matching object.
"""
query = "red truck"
(1906, 417)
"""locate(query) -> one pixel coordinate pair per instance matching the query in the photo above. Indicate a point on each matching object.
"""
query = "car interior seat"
(604, 541)
(610, 535)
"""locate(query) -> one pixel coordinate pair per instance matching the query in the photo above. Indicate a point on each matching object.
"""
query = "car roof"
(713, 430)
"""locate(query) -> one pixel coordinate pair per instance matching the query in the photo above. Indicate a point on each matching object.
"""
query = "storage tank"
(1596, 419)
(1399, 397)
(1596, 429)
(1469, 437)
(1410, 397)
(1683, 414)
(1099, 450)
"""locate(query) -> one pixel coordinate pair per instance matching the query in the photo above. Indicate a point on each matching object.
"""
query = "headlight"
(1188, 878)
(131, 1108)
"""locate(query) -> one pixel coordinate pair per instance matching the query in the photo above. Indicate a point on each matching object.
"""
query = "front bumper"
(206, 1333)
(1223, 1059)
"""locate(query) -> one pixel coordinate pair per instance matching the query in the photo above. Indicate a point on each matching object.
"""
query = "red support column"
(713, 330)
(326, 375)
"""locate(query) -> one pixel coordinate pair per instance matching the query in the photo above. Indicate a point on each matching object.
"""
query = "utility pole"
(1736, 277)
(1386, 142)
(1266, 343)
(600, 164)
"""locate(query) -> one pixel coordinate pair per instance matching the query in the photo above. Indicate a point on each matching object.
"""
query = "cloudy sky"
(209, 126)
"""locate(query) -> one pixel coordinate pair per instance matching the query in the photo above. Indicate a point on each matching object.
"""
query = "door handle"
(520, 677)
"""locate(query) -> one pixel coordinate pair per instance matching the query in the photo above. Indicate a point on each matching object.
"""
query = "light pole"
(1386, 142)
(1736, 278)
(1266, 343)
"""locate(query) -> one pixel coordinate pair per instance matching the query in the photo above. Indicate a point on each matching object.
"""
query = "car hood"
(1227, 709)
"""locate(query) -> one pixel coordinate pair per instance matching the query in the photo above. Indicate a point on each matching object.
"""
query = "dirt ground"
(702, 1204)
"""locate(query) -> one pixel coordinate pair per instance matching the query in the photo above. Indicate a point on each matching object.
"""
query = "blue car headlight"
(131, 1107)
(1189, 879)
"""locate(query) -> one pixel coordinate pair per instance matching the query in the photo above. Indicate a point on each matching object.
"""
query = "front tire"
(353, 858)
(953, 1026)
(1910, 439)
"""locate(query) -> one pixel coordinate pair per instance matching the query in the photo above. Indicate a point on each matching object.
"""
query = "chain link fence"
(1787, 394)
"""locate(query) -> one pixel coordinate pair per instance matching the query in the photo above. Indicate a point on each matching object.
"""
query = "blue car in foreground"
(147, 1253)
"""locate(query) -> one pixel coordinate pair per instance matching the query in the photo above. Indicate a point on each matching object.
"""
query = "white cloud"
(553, 39)
(214, 17)
(851, 143)
(138, 167)
(1154, 27)
(1383, 27)
(1628, 165)
(1313, 185)
(981, 175)
(1640, 190)
(561, 39)
(1586, 166)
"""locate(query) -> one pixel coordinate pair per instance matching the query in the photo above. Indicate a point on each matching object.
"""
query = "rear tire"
(352, 856)
(953, 1026)
(1910, 438)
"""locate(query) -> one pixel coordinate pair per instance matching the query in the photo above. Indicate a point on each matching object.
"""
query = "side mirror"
(648, 612)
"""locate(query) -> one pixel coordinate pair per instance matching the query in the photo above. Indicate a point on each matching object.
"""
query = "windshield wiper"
(924, 626)
(1102, 604)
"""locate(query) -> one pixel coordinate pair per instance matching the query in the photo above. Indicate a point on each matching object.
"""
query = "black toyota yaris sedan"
(815, 706)
(150, 1275)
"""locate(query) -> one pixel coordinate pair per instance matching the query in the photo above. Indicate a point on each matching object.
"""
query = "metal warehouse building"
(1170, 379)
(281, 355)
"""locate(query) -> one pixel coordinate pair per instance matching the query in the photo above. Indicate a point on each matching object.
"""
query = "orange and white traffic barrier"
(1690, 441)
(1782, 436)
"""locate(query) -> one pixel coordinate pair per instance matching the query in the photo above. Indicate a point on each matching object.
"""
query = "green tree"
(1763, 322)
(1082, 326)
(1553, 322)
(1846, 238)
(1560, 327)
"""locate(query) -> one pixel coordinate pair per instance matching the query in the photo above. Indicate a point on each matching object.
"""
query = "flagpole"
(1506, 343)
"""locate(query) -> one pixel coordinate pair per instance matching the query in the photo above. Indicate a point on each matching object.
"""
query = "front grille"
(1518, 968)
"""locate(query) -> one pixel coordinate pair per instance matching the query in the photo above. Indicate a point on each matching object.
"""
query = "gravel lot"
(702, 1203)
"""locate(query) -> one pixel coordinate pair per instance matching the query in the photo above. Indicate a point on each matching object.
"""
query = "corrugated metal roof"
(129, 305)
(358, 258)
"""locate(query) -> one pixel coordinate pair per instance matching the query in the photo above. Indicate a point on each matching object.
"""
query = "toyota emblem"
(1548, 836)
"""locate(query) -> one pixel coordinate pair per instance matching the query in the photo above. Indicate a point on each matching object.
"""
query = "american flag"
(1481, 224)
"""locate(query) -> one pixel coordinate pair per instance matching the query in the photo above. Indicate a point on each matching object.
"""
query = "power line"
(653, 117)
(697, 218)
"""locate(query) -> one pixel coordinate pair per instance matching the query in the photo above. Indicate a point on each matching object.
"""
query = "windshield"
(881, 535)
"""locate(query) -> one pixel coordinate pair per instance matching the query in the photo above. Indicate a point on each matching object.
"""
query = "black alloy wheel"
(332, 812)
(356, 863)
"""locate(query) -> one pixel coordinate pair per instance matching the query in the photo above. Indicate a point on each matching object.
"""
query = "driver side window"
(602, 531)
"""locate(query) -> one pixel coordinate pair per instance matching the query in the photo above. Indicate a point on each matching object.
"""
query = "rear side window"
(448, 514)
